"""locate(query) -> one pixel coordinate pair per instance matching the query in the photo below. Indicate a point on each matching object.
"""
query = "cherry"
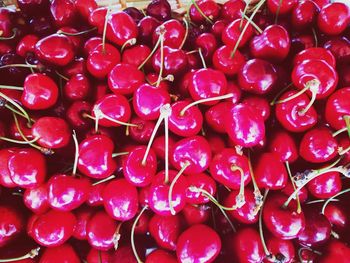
(85, 8)
(120, 35)
(135, 55)
(318, 146)
(159, 9)
(63, 12)
(276, 7)
(174, 63)
(97, 18)
(260, 104)
(27, 168)
(102, 59)
(77, 87)
(198, 243)
(233, 33)
(337, 107)
(36, 199)
(165, 230)
(160, 255)
(257, 76)
(143, 130)
(61, 55)
(77, 66)
(280, 249)
(333, 18)
(340, 48)
(101, 231)
(223, 61)
(336, 250)
(66, 193)
(63, 253)
(232, 9)
(26, 45)
(98, 256)
(304, 14)
(196, 214)
(326, 185)
(207, 43)
(120, 200)
(83, 215)
(11, 224)
(95, 197)
(273, 44)
(75, 113)
(336, 216)
(215, 116)
(282, 222)
(201, 181)
(95, 157)
(5, 178)
(159, 146)
(174, 34)
(315, 53)
(283, 144)
(243, 126)
(52, 228)
(204, 11)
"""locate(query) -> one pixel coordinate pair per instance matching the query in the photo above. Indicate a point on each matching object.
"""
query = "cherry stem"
(273, 102)
(347, 123)
(170, 193)
(315, 36)
(99, 115)
(227, 96)
(104, 180)
(192, 51)
(77, 33)
(154, 49)
(165, 112)
(11, 87)
(76, 155)
(312, 175)
(257, 28)
(202, 58)
(161, 60)
(240, 198)
(105, 30)
(247, 3)
(130, 42)
(186, 33)
(332, 198)
(342, 152)
(314, 90)
(267, 252)
(166, 146)
(336, 133)
(278, 11)
(309, 249)
(19, 66)
(117, 236)
(294, 187)
(14, 33)
(17, 141)
(61, 76)
(132, 238)
(15, 104)
(119, 154)
(17, 112)
(257, 7)
(31, 254)
(320, 201)
(257, 194)
(167, 78)
(201, 12)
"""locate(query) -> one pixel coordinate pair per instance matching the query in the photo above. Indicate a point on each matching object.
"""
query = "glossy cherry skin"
(215, 116)
(84, 8)
(208, 7)
(135, 172)
(207, 83)
(146, 27)
(224, 168)
(270, 172)
(74, 115)
(56, 49)
(11, 224)
(340, 48)
(101, 230)
(289, 113)
(121, 28)
(5, 178)
(174, 33)
(63, 253)
(77, 87)
(338, 106)
(63, 12)
(260, 104)
(336, 215)
(27, 168)
(175, 61)
(160, 255)
(36, 199)
(246, 246)
(83, 215)
(319, 70)
(315, 53)
(257, 76)
(243, 126)
(98, 256)
(135, 55)
(95, 157)
(317, 229)
(198, 214)
(66, 193)
(284, 223)
(304, 14)
(165, 230)
(120, 200)
(283, 144)
(115, 106)
(283, 249)
(40, 92)
(53, 228)
(201, 181)
(159, 9)
(318, 146)
(207, 43)
(336, 251)
(102, 59)
(233, 32)
(325, 185)
(195, 150)
(143, 131)
(232, 9)
(223, 61)
(125, 79)
(333, 18)
(285, 7)
(159, 146)
(199, 243)
(26, 45)
(148, 100)
(188, 124)
(273, 44)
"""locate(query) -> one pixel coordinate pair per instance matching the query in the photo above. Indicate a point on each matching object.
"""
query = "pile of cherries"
(212, 133)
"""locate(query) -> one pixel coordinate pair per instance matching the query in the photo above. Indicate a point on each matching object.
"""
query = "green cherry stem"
(201, 12)
(104, 180)
(31, 254)
(76, 155)
(294, 187)
(332, 199)
(132, 238)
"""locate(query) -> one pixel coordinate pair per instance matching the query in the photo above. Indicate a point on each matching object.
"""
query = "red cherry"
(125, 79)
(199, 243)
(175, 61)
(282, 222)
(75, 113)
(315, 53)
(304, 14)
(159, 255)
(318, 146)
(146, 27)
(63, 253)
(338, 106)
(77, 66)
(336, 250)
(159, 9)
(257, 76)
(102, 59)
(283, 144)
(53, 228)
(55, 49)
(233, 32)
(260, 104)
(101, 231)
(215, 116)
(159, 146)
(136, 55)
(244, 127)
(95, 197)
(198, 214)
(83, 215)
(36, 199)
(5, 178)
(232, 9)
(27, 168)
(174, 33)
(333, 18)
(223, 61)
(120, 200)
(95, 157)
(303, 193)
(121, 28)
(208, 7)
(98, 256)
(340, 48)
(84, 8)
(77, 87)
(26, 45)
(165, 230)
(11, 224)
(325, 185)
(91, 44)
(280, 249)
(207, 43)
(63, 12)
(285, 7)
(336, 216)
(143, 131)
(273, 44)
(201, 181)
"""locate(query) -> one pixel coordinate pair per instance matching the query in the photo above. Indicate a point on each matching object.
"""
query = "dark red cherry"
(257, 76)
(325, 185)
(175, 61)
(26, 45)
(27, 168)
(232, 9)
(159, 9)
(303, 193)
(97, 19)
(234, 32)
(337, 107)
(304, 14)
(281, 249)
(223, 61)
(165, 230)
(146, 27)
(5, 178)
(201, 181)
(56, 49)
(121, 28)
(120, 200)
(333, 18)
(136, 55)
(199, 243)
(77, 87)
(74, 115)
(283, 144)
(260, 104)
(63, 253)
(160, 255)
(196, 214)
(336, 215)
(143, 131)
(135, 13)
(336, 251)
(85, 7)
(207, 43)
(285, 7)
(159, 146)
(95, 157)
(208, 7)
(53, 228)
(174, 33)
(315, 53)
(63, 12)
(318, 146)
(83, 215)
(36, 199)
(340, 48)
(244, 127)
(11, 224)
